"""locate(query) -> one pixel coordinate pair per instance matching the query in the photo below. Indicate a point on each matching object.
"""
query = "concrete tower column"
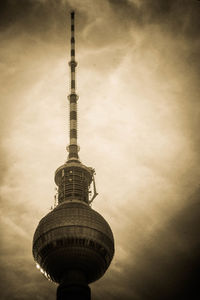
(74, 287)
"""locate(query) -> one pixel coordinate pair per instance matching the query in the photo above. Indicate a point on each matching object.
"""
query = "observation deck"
(73, 180)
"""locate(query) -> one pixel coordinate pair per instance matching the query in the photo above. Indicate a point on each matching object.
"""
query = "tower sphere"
(73, 237)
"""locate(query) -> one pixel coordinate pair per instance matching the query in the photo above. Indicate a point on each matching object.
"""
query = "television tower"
(73, 245)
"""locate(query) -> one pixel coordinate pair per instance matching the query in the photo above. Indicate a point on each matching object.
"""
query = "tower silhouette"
(73, 245)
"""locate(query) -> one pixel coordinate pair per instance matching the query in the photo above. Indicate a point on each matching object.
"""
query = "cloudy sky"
(138, 82)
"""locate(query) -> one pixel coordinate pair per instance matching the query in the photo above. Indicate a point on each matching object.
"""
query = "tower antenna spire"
(73, 148)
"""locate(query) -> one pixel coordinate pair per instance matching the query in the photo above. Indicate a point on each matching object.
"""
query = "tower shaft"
(73, 98)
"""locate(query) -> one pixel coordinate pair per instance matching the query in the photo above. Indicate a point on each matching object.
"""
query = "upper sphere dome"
(73, 236)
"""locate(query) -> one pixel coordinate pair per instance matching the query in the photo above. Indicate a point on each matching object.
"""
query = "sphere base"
(73, 287)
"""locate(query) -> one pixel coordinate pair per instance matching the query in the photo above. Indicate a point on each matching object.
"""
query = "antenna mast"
(73, 148)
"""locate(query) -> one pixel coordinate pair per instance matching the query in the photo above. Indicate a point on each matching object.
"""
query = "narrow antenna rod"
(73, 148)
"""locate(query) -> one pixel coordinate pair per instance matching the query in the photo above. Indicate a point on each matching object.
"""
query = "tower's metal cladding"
(73, 245)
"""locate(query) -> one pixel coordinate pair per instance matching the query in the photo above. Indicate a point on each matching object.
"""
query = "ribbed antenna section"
(73, 97)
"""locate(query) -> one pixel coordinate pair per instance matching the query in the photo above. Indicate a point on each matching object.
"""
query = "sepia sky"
(138, 81)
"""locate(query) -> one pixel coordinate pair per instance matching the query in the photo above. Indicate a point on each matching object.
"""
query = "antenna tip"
(72, 14)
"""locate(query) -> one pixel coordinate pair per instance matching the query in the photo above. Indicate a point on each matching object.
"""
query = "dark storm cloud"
(172, 261)
(168, 261)
(37, 18)
(179, 19)
(179, 16)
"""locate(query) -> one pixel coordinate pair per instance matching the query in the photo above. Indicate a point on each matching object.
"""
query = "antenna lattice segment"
(73, 98)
